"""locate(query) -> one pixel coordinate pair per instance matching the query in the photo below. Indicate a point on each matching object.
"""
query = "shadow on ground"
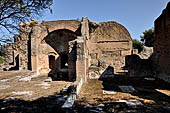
(146, 89)
(48, 104)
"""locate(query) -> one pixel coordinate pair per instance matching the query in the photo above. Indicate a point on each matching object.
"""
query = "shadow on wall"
(108, 73)
(16, 67)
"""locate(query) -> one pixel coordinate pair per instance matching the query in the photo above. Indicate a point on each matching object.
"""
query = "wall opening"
(63, 41)
(51, 62)
(17, 62)
(29, 54)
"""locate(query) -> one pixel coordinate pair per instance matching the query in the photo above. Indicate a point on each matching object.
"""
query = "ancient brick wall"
(162, 45)
(57, 40)
(43, 47)
(20, 46)
(109, 41)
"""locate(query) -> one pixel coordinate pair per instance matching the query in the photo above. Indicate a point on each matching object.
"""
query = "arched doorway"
(64, 43)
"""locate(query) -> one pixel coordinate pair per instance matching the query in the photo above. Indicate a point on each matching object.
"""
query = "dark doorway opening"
(29, 54)
(51, 62)
(64, 61)
(16, 67)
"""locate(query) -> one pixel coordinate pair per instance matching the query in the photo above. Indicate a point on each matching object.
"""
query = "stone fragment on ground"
(62, 98)
(151, 79)
(109, 92)
(127, 89)
(95, 109)
(132, 102)
(22, 93)
(45, 85)
(25, 79)
(70, 101)
(10, 99)
(49, 79)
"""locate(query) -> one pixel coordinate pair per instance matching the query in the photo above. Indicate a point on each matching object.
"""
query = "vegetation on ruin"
(148, 38)
(12, 12)
(2, 59)
(33, 23)
(137, 45)
(3, 49)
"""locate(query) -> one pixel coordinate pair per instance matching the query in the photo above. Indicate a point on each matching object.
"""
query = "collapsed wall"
(162, 45)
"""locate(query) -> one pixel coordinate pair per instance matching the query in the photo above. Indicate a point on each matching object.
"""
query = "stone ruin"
(70, 49)
(140, 64)
(162, 45)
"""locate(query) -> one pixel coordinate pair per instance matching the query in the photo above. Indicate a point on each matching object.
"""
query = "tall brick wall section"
(20, 46)
(162, 45)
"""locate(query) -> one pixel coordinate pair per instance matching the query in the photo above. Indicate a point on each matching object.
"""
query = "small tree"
(148, 38)
(137, 45)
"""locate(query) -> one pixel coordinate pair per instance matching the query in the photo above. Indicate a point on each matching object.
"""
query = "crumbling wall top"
(72, 25)
(109, 31)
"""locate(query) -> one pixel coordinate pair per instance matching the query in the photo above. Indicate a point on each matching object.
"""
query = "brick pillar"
(81, 61)
(81, 64)
(23, 56)
(34, 53)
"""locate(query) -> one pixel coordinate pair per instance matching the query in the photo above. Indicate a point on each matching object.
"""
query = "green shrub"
(2, 59)
(137, 45)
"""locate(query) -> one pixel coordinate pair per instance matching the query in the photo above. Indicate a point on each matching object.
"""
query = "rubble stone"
(146, 52)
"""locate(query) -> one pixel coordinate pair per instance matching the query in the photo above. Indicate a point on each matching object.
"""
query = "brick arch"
(62, 27)
(52, 53)
(72, 25)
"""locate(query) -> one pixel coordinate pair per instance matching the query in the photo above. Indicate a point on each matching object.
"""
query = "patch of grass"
(2, 59)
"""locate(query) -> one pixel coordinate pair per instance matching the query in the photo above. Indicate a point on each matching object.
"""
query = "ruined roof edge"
(167, 9)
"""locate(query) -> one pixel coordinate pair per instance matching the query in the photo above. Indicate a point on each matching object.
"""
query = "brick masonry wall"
(162, 45)
(111, 42)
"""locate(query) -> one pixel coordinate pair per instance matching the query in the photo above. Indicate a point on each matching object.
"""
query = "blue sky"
(135, 15)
